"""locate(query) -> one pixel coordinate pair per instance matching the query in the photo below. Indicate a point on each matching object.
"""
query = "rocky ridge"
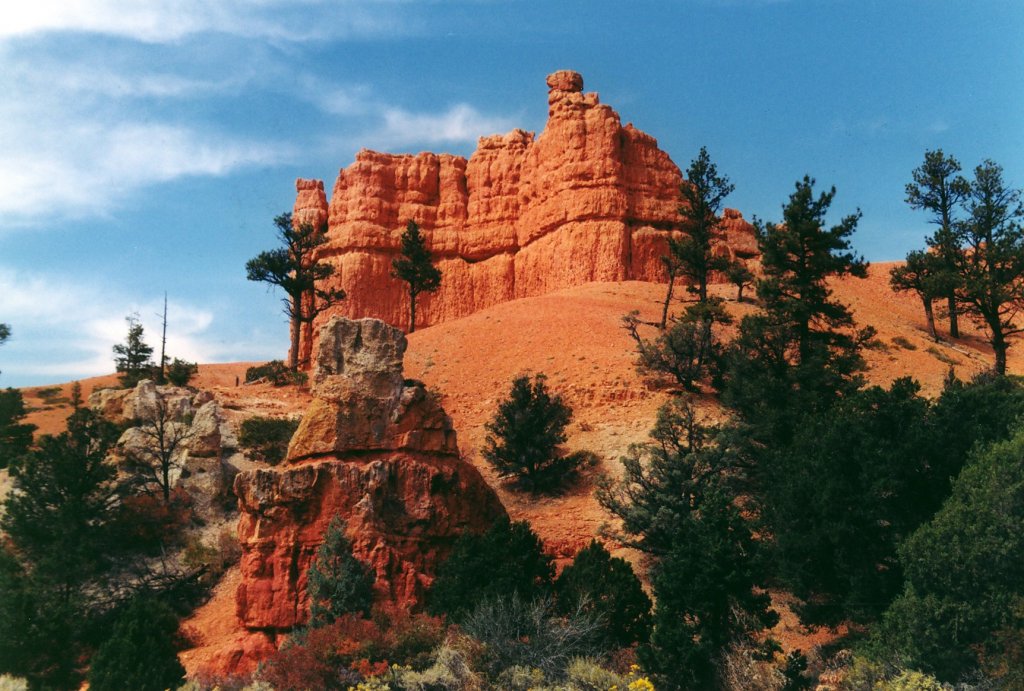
(587, 200)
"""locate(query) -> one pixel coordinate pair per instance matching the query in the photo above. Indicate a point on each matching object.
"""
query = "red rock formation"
(379, 452)
(587, 200)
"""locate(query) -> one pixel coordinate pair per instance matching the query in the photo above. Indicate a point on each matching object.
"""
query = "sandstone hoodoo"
(378, 451)
(587, 200)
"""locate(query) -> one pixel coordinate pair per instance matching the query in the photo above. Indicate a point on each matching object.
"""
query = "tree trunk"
(412, 311)
(702, 289)
(739, 293)
(954, 326)
(668, 299)
(293, 352)
(929, 315)
(999, 347)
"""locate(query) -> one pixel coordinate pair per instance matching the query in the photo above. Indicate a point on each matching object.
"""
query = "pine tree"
(133, 357)
(702, 195)
(15, 436)
(337, 582)
(416, 268)
(938, 189)
(140, 652)
(922, 273)
(294, 267)
(992, 268)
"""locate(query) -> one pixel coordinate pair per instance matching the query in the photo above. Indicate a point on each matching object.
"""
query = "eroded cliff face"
(376, 450)
(587, 200)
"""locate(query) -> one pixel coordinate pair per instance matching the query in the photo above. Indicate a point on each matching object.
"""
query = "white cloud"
(460, 123)
(67, 330)
(163, 21)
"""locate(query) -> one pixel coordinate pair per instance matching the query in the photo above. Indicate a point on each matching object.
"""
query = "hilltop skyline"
(148, 149)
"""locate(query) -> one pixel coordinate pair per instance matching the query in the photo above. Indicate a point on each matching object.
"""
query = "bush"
(337, 582)
(508, 559)
(605, 585)
(267, 438)
(216, 558)
(276, 373)
(524, 435)
(180, 372)
(140, 652)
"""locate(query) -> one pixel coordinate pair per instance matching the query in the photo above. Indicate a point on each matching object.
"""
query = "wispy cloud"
(67, 330)
(460, 123)
(161, 21)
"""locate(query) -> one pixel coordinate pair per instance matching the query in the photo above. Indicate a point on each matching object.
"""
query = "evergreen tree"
(598, 583)
(992, 268)
(676, 503)
(740, 276)
(702, 195)
(337, 582)
(508, 559)
(524, 435)
(58, 521)
(140, 652)
(964, 592)
(924, 274)
(15, 436)
(133, 357)
(5, 332)
(294, 267)
(415, 267)
(938, 189)
(801, 351)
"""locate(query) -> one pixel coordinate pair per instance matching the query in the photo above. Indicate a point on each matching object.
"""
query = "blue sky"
(146, 146)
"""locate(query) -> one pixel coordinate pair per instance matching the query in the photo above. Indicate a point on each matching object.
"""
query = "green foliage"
(337, 582)
(740, 276)
(508, 559)
(292, 268)
(598, 583)
(688, 351)
(416, 267)
(925, 274)
(267, 438)
(962, 569)
(675, 502)
(276, 373)
(524, 435)
(180, 372)
(938, 189)
(5, 332)
(801, 352)
(58, 521)
(702, 195)
(15, 436)
(140, 653)
(992, 267)
(133, 357)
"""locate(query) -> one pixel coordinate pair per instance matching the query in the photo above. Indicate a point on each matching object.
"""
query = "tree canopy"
(416, 267)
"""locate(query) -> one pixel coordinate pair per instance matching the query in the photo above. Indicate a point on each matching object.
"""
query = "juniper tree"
(524, 435)
(140, 652)
(416, 268)
(938, 189)
(294, 267)
(338, 583)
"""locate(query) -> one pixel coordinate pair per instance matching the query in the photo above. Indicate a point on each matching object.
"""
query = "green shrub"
(180, 372)
(267, 438)
(508, 559)
(140, 652)
(275, 372)
(337, 582)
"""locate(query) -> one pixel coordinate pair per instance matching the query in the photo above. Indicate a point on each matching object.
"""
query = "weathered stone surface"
(587, 200)
(379, 452)
(205, 433)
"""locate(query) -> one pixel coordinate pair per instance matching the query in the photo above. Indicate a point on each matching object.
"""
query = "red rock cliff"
(587, 200)
(374, 449)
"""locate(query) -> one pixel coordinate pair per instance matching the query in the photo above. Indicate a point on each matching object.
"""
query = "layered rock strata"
(587, 200)
(376, 450)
